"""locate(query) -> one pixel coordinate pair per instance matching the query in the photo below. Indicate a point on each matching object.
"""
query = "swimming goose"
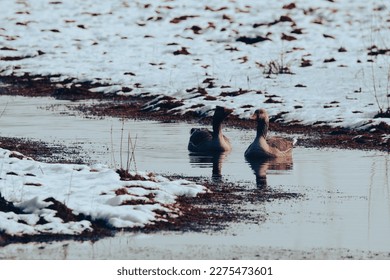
(204, 140)
(263, 147)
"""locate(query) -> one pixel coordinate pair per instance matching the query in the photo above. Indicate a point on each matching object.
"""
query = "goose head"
(221, 113)
(261, 116)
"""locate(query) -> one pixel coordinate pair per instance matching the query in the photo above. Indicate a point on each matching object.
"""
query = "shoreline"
(133, 107)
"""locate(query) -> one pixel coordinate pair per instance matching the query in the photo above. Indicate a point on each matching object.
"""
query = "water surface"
(346, 200)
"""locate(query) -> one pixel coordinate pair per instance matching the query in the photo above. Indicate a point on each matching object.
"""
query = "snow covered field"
(309, 62)
(45, 192)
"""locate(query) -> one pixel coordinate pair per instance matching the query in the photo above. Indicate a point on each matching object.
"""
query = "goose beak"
(253, 117)
(228, 111)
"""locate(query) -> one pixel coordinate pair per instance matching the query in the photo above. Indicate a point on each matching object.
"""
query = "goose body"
(263, 147)
(204, 140)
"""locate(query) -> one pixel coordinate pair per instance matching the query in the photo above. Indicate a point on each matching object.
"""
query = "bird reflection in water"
(261, 166)
(210, 159)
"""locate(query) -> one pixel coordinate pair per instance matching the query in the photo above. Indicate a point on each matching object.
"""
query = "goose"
(204, 140)
(263, 147)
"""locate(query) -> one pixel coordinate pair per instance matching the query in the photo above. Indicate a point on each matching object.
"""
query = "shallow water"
(346, 200)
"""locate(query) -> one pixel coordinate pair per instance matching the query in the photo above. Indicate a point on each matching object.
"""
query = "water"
(346, 200)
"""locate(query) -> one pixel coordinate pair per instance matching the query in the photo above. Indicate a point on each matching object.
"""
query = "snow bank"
(95, 191)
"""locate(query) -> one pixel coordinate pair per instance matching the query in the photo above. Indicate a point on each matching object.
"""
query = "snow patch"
(94, 191)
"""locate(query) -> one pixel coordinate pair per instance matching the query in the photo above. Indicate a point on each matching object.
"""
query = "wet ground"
(325, 203)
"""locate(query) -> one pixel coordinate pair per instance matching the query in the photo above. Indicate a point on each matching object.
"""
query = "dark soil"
(35, 86)
(43, 151)
(223, 205)
(6, 206)
(99, 228)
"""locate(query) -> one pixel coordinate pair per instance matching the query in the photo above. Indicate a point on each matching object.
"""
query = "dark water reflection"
(260, 168)
(212, 160)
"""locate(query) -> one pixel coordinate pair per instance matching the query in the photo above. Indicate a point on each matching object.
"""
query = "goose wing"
(281, 144)
(200, 135)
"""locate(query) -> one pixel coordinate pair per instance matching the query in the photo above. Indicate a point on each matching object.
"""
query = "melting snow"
(93, 191)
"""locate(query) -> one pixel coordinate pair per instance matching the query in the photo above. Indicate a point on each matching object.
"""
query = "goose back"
(204, 140)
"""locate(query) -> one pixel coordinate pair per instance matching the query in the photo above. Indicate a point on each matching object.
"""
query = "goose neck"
(217, 127)
(262, 128)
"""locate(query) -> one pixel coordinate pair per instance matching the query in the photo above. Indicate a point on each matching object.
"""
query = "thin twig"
(121, 144)
(5, 107)
(128, 152)
(388, 90)
(375, 89)
(133, 152)
(70, 187)
(112, 149)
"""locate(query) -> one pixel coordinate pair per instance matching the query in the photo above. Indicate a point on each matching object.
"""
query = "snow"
(94, 191)
(132, 44)
(174, 48)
